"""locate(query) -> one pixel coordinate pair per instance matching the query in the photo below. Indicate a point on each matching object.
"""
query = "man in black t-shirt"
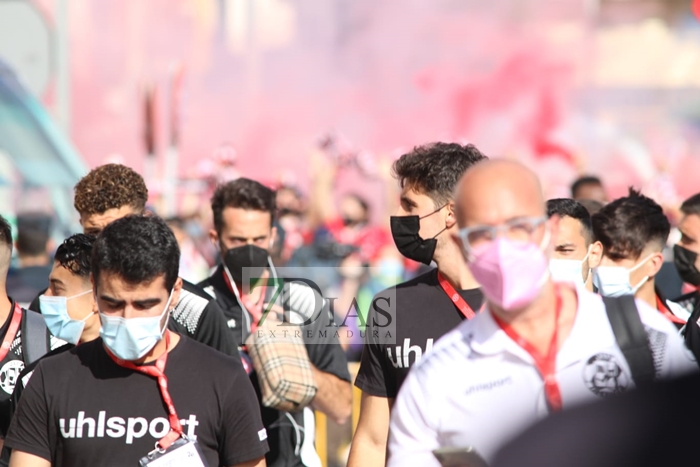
(112, 191)
(243, 219)
(19, 330)
(109, 401)
(421, 310)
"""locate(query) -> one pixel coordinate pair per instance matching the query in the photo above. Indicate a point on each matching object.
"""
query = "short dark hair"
(566, 207)
(5, 233)
(242, 193)
(435, 169)
(75, 254)
(627, 225)
(138, 249)
(582, 181)
(33, 233)
(108, 187)
(691, 205)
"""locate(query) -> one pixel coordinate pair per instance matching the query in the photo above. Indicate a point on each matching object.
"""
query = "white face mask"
(614, 281)
(569, 270)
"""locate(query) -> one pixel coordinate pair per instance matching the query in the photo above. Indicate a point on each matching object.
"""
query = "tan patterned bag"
(282, 364)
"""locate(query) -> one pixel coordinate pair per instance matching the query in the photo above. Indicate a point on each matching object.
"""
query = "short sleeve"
(214, 332)
(324, 348)
(318, 328)
(373, 376)
(29, 429)
(243, 435)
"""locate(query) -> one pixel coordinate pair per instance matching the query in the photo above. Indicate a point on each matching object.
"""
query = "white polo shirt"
(479, 388)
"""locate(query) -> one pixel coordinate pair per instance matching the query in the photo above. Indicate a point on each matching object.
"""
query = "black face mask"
(685, 264)
(405, 230)
(246, 256)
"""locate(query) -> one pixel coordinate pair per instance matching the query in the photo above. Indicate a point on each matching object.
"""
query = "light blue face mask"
(131, 339)
(60, 324)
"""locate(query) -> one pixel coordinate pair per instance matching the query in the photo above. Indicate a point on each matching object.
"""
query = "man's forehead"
(113, 284)
(570, 231)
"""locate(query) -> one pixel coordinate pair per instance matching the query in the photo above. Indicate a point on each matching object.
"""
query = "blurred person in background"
(591, 206)
(33, 249)
(633, 231)
(575, 251)
(193, 267)
(291, 218)
(112, 191)
(68, 310)
(244, 232)
(23, 334)
(425, 308)
(589, 187)
(537, 348)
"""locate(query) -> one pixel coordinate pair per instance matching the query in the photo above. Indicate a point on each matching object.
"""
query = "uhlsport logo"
(604, 376)
(129, 428)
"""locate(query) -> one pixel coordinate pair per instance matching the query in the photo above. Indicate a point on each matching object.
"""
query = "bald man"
(538, 346)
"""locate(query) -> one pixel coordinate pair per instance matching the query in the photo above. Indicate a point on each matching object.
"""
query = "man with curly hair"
(109, 192)
(112, 191)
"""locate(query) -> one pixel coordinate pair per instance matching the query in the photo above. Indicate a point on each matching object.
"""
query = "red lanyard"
(255, 309)
(456, 298)
(11, 331)
(663, 309)
(158, 371)
(546, 365)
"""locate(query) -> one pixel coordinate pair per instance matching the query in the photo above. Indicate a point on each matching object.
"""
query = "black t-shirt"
(403, 323)
(82, 409)
(197, 316)
(286, 431)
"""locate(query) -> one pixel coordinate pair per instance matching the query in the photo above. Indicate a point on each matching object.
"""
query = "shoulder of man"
(190, 308)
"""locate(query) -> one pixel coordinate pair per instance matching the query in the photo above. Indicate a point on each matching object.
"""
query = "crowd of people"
(475, 309)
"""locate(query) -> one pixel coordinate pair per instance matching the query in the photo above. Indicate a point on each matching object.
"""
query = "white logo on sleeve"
(262, 434)
(117, 427)
(9, 373)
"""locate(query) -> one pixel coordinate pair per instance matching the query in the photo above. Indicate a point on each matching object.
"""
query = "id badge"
(182, 453)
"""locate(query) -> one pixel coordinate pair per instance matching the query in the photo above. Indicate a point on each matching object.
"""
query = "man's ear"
(95, 308)
(654, 264)
(214, 238)
(451, 218)
(596, 255)
(273, 237)
(177, 288)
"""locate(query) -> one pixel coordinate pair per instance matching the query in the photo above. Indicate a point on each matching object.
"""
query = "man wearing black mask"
(685, 255)
(243, 232)
(425, 308)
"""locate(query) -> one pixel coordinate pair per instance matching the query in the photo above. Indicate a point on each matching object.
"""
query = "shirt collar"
(487, 338)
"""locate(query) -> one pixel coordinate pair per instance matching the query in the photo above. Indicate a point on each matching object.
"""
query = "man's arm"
(368, 447)
(24, 459)
(254, 463)
(334, 396)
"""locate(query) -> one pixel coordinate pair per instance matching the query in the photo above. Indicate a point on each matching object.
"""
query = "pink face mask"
(511, 273)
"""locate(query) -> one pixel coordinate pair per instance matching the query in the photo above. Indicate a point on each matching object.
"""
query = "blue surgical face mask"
(614, 281)
(131, 339)
(60, 324)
